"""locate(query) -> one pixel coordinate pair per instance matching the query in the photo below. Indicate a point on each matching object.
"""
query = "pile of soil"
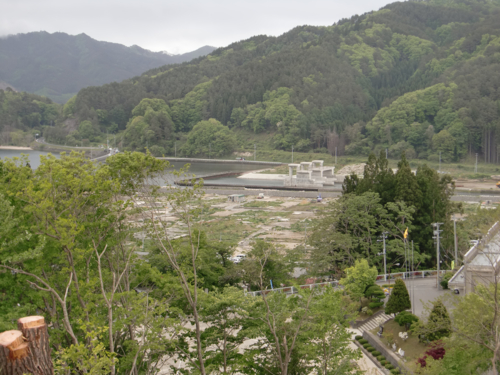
(353, 168)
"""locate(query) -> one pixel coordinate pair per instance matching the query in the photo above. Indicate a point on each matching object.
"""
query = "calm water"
(33, 156)
(204, 169)
(198, 169)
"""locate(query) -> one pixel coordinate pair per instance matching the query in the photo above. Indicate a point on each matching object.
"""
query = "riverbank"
(15, 148)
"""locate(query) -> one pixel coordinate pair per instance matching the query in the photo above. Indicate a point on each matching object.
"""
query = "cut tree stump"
(27, 350)
(35, 331)
(14, 352)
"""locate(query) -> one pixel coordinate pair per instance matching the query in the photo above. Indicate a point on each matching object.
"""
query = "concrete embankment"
(222, 161)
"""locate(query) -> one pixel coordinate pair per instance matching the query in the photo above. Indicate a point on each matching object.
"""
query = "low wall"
(391, 357)
(222, 161)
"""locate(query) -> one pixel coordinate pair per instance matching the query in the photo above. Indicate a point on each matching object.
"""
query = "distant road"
(42, 141)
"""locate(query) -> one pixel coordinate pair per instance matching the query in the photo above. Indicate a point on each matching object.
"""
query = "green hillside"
(420, 77)
(58, 65)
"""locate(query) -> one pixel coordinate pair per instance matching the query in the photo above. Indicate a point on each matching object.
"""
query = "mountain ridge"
(58, 65)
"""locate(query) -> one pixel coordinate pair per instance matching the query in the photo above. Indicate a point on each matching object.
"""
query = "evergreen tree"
(407, 188)
(439, 323)
(399, 300)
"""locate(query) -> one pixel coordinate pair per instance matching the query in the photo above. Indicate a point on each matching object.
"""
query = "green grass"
(412, 347)
(226, 229)
(262, 204)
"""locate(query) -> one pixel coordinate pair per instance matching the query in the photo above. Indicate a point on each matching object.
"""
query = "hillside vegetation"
(421, 77)
(58, 65)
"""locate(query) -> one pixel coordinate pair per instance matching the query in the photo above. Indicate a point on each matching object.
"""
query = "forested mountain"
(421, 77)
(58, 65)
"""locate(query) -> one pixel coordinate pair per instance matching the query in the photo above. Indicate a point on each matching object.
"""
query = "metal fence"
(293, 289)
(410, 275)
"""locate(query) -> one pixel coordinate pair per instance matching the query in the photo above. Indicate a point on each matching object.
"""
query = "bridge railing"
(410, 275)
(293, 289)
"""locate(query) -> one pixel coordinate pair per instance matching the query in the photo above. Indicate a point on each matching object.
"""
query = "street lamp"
(390, 267)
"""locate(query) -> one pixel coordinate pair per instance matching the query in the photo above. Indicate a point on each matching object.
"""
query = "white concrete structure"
(481, 263)
(310, 174)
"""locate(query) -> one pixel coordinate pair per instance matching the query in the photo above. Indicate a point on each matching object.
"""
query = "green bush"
(374, 305)
(363, 341)
(371, 349)
(376, 353)
(389, 367)
(446, 278)
(395, 371)
(405, 318)
(384, 362)
(366, 346)
(358, 337)
(380, 358)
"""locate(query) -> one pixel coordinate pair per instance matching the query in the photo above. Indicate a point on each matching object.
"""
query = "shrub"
(366, 346)
(358, 337)
(363, 341)
(380, 358)
(384, 362)
(405, 318)
(371, 349)
(395, 371)
(389, 367)
(436, 351)
(374, 305)
(376, 353)
(444, 282)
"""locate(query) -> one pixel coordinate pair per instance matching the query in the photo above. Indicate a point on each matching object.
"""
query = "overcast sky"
(174, 26)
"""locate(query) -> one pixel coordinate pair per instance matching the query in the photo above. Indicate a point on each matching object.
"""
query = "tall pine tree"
(399, 299)
(407, 188)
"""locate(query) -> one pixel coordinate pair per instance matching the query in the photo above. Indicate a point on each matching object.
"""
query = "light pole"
(436, 234)
(390, 268)
(456, 240)
(384, 236)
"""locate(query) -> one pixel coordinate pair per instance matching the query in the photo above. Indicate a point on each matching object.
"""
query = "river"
(33, 155)
(198, 169)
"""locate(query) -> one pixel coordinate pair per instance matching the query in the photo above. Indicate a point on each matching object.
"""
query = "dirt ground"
(476, 184)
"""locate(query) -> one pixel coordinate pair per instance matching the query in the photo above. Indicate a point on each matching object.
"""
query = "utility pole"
(412, 280)
(254, 152)
(436, 234)
(292, 154)
(384, 236)
(455, 238)
(475, 168)
(335, 155)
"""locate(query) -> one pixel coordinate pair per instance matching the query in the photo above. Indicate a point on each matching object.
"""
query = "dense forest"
(420, 77)
(58, 65)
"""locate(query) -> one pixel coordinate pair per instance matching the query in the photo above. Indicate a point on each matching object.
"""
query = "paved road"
(422, 291)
